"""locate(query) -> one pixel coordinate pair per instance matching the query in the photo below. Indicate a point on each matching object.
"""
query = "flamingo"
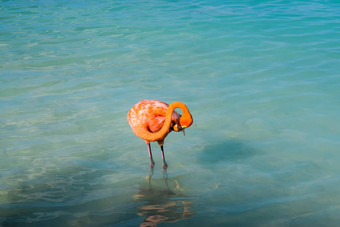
(153, 120)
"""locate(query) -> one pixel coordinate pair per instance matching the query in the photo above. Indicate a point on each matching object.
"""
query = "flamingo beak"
(179, 127)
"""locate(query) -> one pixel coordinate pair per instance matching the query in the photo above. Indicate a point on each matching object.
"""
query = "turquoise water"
(261, 79)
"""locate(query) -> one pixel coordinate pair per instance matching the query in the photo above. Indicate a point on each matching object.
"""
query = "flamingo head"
(183, 123)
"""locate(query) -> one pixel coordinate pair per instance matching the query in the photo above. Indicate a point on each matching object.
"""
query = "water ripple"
(260, 78)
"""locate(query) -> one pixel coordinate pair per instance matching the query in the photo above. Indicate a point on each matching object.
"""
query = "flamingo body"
(153, 120)
(150, 115)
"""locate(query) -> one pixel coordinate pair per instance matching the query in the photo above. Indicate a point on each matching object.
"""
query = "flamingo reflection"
(162, 200)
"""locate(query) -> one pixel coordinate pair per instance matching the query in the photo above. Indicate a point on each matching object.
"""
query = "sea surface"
(261, 79)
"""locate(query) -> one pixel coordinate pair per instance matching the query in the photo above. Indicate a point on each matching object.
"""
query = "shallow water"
(260, 79)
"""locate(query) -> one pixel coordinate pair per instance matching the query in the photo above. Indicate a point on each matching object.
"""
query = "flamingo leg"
(165, 165)
(152, 163)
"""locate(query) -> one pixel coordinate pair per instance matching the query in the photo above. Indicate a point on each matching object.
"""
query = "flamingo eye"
(177, 128)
